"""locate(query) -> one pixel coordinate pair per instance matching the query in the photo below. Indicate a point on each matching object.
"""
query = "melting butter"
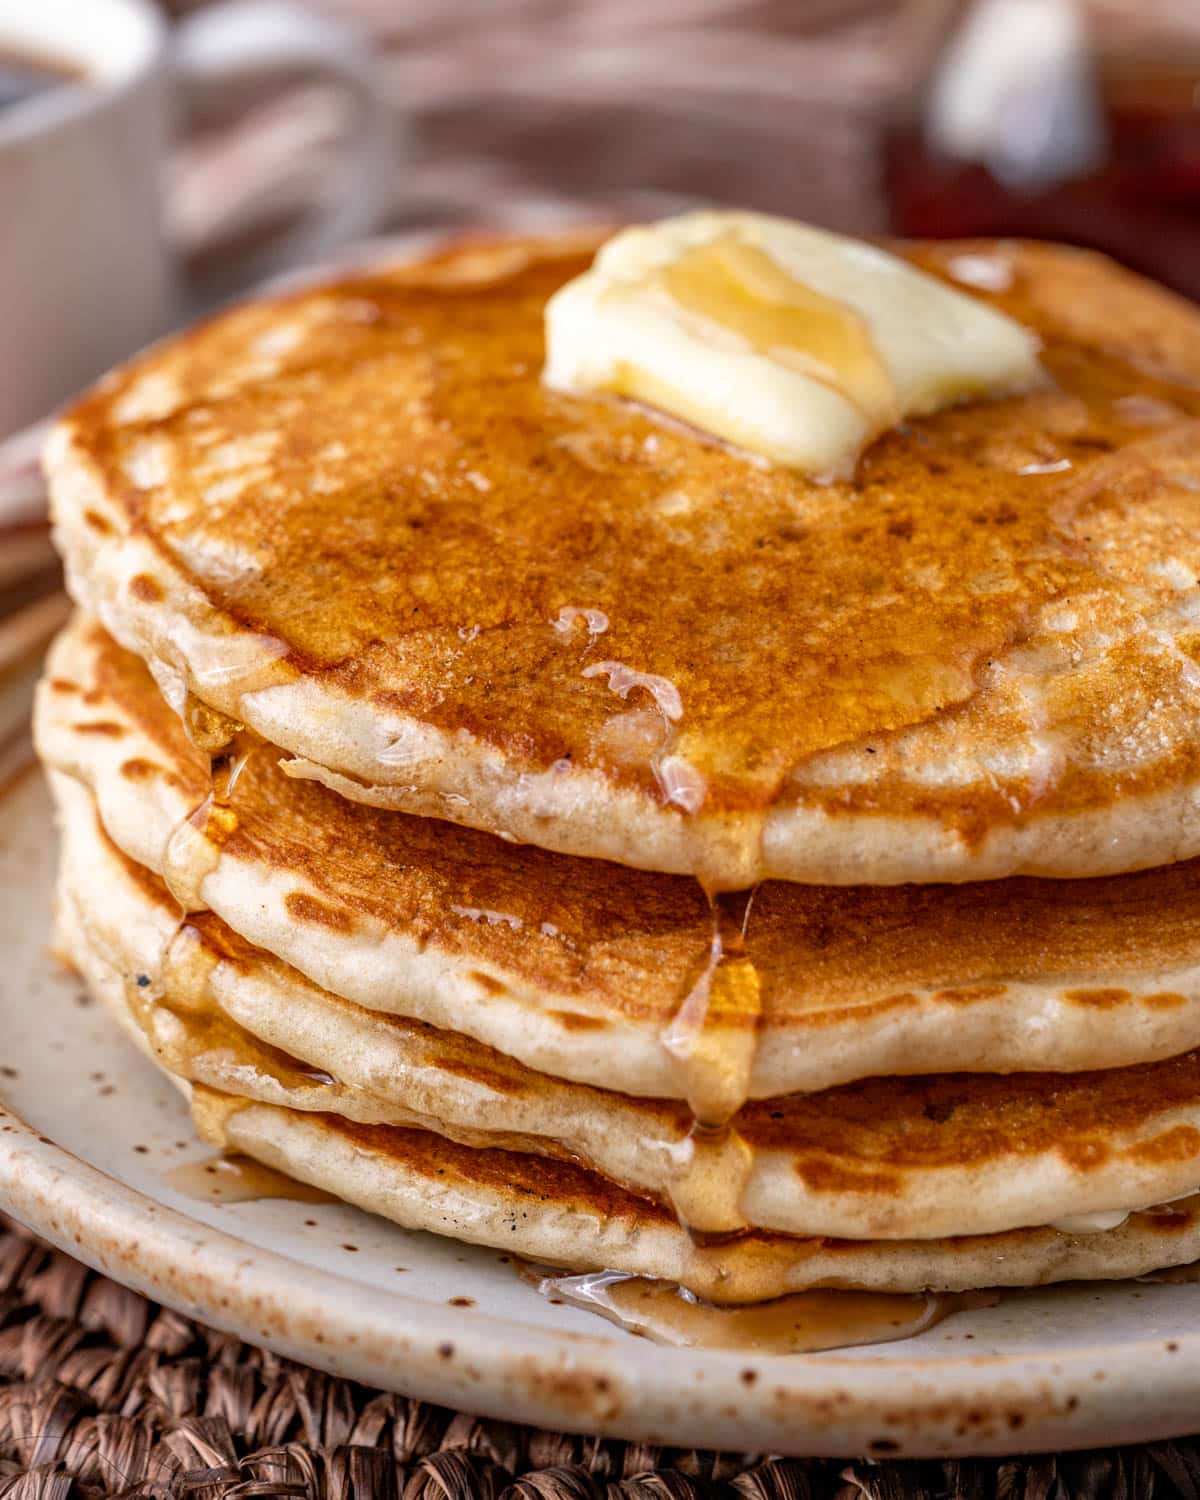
(791, 342)
(739, 287)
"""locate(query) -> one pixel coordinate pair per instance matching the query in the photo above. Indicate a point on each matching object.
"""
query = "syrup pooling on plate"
(712, 1039)
(240, 1179)
(799, 1323)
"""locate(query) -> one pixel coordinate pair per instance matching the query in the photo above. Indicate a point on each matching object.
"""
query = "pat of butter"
(787, 341)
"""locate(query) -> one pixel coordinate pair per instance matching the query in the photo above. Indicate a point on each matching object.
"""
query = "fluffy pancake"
(353, 518)
(555, 1211)
(576, 967)
(883, 1158)
(558, 1211)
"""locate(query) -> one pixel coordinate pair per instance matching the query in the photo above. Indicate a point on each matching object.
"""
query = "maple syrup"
(712, 1039)
(192, 850)
(208, 729)
(742, 289)
(1139, 203)
(240, 1179)
(799, 1323)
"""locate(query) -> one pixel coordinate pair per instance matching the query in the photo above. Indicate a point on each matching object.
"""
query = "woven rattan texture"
(105, 1394)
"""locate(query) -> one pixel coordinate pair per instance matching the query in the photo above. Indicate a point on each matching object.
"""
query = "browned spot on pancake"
(1100, 999)
(969, 994)
(571, 1020)
(306, 908)
(1166, 1220)
(840, 1015)
(138, 769)
(62, 685)
(98, 522)
(538, 1178)
(843, 1177)
(1180, 1143)
(1164, 1000)
(501, 1079)
(147, 882)
(146, 589)
(487, 982)
(1084, 1154)
(107, 727)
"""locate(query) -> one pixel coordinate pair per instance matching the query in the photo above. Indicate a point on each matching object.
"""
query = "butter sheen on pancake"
(353, 519)
(574, 968)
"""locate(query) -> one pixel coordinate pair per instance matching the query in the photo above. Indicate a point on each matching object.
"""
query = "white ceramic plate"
(89, 1131)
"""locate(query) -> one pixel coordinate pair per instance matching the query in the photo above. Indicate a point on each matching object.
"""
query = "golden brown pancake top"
(373, 475)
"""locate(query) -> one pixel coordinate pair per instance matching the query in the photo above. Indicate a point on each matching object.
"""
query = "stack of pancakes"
(532, 822)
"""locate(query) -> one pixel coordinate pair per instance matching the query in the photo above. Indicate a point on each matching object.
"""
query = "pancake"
(352, 518)
(884, 1158)
(576, 968)
(558, 1211)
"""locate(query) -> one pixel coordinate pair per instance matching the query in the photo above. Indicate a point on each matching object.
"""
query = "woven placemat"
(103, 1393)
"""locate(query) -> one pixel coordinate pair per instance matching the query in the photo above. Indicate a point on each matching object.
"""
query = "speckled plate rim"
(823, 1405)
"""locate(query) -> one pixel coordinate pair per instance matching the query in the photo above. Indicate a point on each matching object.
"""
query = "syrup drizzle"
(712, 1039)
(799, 1323)
(193, 847)
(743, 290)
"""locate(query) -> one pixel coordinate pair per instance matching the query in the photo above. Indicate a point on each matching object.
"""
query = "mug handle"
(236, 49)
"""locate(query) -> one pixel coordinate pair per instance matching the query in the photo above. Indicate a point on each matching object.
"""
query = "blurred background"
(1069, 119)
(1077, 119)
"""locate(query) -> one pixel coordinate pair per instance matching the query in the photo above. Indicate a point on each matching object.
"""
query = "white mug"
(87, 274)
